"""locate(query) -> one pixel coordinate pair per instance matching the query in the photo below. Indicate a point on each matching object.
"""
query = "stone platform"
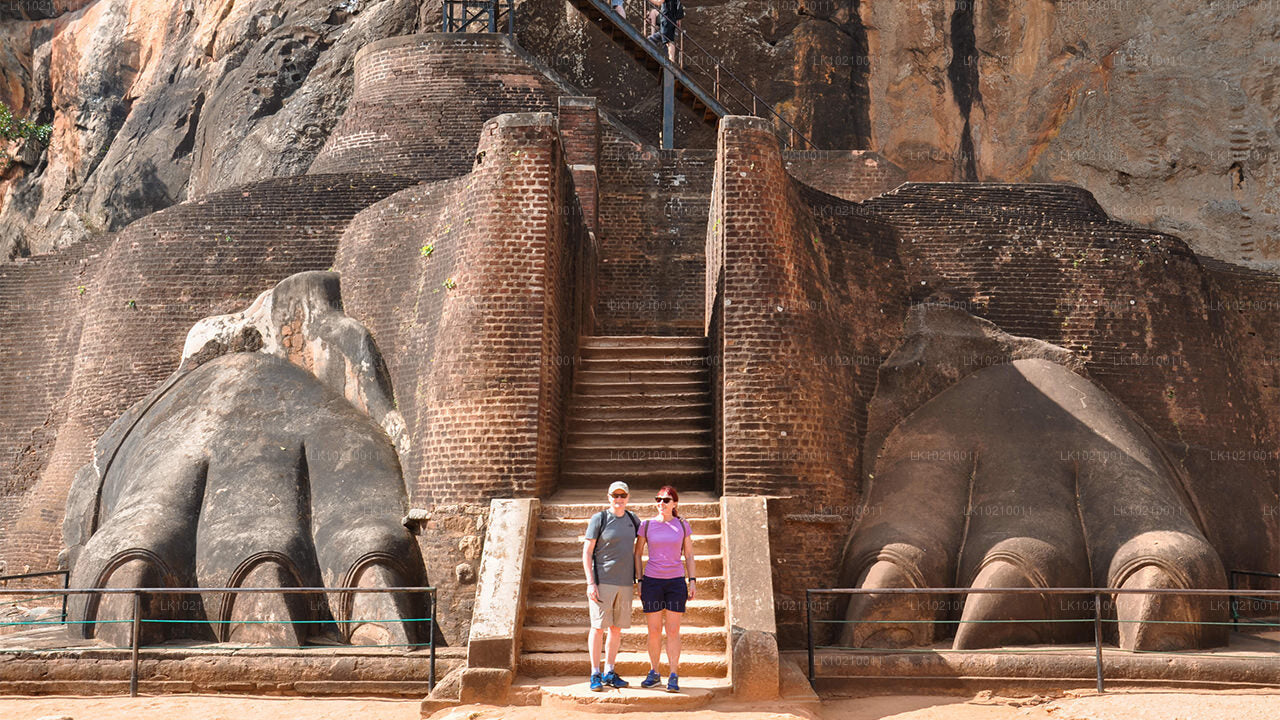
(1249, 661)
(574, 694)
(47, 662)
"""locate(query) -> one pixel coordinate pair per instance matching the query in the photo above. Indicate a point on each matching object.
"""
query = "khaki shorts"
(614, 608)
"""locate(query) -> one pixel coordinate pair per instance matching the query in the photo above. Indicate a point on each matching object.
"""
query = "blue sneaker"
(612, 680)
(596, 685)
(653, 678)
(673, 683)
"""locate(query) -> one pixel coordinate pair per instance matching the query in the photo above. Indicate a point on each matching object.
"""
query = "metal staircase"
(728, 94)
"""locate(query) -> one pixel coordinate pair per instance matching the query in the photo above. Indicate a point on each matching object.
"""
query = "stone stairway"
(554, 637)
(640, 413)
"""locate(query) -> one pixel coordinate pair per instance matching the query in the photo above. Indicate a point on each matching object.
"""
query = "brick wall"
(1045, 261)
(848, 174)
(471, 288)
(653, 219)
(1249, 301)
(159, 275)
(419, 102)
(810, 300)
(40, 319)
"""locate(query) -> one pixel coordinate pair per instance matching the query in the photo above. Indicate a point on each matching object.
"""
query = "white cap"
(619, 485)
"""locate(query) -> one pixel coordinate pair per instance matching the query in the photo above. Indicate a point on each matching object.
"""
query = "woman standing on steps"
(666, 581)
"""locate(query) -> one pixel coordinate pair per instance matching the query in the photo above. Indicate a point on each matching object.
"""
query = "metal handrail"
(137, 619)
(487, 12)
(1097, 594)
(66, 580)
(756, 100)
(1231, 583)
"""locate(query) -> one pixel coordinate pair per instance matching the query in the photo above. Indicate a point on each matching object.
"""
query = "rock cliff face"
(157, 101)
(1163, 110)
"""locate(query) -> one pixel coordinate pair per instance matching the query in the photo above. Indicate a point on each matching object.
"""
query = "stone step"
(641, 386)
(657, 476)
(574, 694)
(695, 365)
(572, 546)
(631, 399)
(583, 511)
(676, 423)
(631, 453)
(604, 344)
(709, 588)
(572, 639)
(556, 568)
(574, 613)
(631, 665)
(648, 439)
(659, 466)
(648, 412)
(570, 527)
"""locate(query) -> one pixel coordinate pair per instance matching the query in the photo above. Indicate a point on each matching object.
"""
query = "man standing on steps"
(608, 561)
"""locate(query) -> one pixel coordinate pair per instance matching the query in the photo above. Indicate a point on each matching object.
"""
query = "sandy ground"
(1112, 706)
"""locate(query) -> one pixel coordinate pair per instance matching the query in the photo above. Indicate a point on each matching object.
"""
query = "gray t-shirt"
(615, 547)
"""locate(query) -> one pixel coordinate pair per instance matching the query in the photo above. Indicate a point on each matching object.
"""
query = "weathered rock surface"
(154, 102)
(1150, 108)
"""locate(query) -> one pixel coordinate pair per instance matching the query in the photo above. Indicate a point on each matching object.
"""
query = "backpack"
(603, 515)
(675, 10)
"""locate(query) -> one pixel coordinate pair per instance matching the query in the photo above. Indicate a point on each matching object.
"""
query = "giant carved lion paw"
(1022, 474)
(258, 464)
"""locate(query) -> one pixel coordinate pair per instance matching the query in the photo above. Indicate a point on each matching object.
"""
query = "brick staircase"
(554, 637)
(640, 413)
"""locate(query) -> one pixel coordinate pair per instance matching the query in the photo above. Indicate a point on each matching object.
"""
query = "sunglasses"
(619, 495)
(663, 500)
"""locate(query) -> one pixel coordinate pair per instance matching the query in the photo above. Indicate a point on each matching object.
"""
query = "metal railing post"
(137, 640)
(431, 628)
(808, 622)
(66, 583)
(1097, 636)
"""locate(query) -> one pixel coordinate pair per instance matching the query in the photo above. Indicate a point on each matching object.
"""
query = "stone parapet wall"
(420, 100)
(853, 175)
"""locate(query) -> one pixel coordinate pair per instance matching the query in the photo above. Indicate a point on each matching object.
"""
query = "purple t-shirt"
(665, 541)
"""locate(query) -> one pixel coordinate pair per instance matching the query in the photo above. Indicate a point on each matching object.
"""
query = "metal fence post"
(137, 640)
(431, 628)
(66, 583)
(808, 623)
(1097, 636)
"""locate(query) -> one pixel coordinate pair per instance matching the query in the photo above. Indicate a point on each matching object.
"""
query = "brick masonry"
(419, 102)
(143, 289)
(1046, 261)
(471, 288)
(477, 285)
(806, 297)
(805, 294)
(853, 175)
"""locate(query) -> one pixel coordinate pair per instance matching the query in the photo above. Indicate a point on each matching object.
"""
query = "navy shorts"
(670, 594)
